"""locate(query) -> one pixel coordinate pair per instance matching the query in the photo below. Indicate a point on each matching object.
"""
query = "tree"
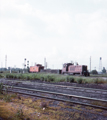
(104, 70)
(94, 72)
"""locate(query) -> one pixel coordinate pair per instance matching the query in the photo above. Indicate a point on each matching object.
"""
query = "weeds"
(71, 79)
(1, 88)
(7, 98)
(49, 77)
(79, 80)
(99, 81)
(19, 114)
(43, 105)
(1, 76)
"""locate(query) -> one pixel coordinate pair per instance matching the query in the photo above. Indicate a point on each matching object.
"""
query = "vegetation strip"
(49, 77)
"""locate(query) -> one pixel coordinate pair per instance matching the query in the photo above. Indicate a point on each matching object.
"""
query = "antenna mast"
(90, 63)
(6, 61)
(100, 65)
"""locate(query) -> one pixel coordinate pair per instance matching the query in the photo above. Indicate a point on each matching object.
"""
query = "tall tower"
(45, 63)
(100, 65)
(90, 63)
(6, 61)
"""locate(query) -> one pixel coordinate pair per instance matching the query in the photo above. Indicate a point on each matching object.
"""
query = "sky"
(59, 30)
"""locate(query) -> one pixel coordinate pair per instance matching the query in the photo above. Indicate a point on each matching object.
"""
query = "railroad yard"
(38, 99)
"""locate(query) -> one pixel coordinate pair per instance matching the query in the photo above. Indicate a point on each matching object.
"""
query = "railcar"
(70, 68)
(36, 68)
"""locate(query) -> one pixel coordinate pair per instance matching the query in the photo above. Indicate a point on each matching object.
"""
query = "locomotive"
(70, 68)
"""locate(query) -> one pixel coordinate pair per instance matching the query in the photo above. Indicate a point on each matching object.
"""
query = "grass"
(49, 77)
(99, 103)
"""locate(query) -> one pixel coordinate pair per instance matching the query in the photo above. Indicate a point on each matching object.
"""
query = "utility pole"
(45, 63)
(6, 61)
(90, 63)
(100, 65)
(24, 65)
(28, 66)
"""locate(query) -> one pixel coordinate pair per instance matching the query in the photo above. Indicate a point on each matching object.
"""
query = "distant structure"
(45, 63)
(100, 65)
(90, 63)
(6, 61)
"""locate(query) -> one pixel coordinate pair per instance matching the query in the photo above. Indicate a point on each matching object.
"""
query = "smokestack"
(6, 61)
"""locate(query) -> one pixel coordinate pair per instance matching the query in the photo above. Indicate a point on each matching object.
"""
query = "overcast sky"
(60, 30)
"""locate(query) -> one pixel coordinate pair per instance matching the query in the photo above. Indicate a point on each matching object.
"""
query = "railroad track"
(86, 92)
(87, 101)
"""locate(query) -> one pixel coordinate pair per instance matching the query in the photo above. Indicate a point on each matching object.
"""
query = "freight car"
(70, 68)
(36, 68)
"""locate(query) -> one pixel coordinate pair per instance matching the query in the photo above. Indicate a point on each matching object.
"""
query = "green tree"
(94, 72)
(104, 70)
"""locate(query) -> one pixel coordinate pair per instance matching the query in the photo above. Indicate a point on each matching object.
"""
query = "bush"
(98, 81)
(28, 77)
(42, 78)
(43, 105)
(67, 79)
(71, 79)
(50, 78)
(1, 76)
(94, 72)
(1, 88)
(14, 76)
(20, 114)
(79, 80)
(7, 98)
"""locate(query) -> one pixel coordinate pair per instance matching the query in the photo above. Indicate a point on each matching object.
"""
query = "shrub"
(94, 72)
(43, 105)
(67, 79)
(71, 79)
(28, 77)
(50, 78)
(98, 81)
(9, 76)
(1, 88)
(18, 77)
(79, 80)
(19, 114)
(42, 78)
(85, 81)
(7, 98)
(1, 76)
(14, 76)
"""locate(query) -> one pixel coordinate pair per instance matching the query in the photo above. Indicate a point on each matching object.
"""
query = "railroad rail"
(86, 92)
(87, 101)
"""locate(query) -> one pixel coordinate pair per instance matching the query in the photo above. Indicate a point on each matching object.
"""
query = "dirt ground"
(19, 107)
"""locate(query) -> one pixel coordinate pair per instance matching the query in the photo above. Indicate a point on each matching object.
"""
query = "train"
(68, 68)
(36, 68)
